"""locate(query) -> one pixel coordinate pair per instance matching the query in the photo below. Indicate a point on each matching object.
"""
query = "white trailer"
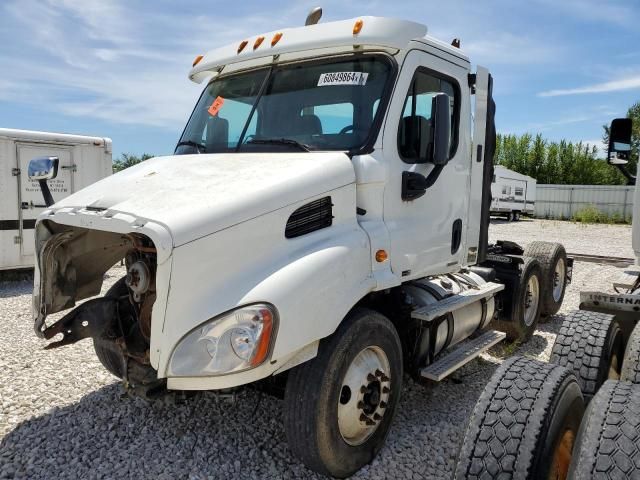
(513, 194)
(82, 161)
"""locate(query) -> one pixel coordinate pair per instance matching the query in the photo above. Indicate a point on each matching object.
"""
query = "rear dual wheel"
(338, 407)
(525, 311)
(524, 424)
(553, 262)
(592, 346)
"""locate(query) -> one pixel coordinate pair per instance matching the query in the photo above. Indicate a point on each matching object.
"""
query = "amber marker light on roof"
(197, 60)
(357, 26)
(242, 45)
(258, 42)
(276, 38)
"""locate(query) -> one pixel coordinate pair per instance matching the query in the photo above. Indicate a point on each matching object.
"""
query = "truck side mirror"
(422, 140)
(619, 141)
(43, 169)
(441, 118)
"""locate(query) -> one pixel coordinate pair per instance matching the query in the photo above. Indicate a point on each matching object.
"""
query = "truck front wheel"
(113, 361)
(338, 407)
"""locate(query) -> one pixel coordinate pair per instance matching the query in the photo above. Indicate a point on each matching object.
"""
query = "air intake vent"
(309, 218)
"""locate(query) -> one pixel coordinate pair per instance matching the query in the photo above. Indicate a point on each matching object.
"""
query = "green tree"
(127, 160)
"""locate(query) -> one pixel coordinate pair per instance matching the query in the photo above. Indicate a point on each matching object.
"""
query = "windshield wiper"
(280, 141)
(191, 143)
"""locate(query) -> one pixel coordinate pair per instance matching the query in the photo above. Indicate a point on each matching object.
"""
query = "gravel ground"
(609, 240)
(63, 416)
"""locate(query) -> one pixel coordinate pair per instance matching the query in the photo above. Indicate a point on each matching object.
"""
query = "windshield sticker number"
(343, 78)
(215, 106)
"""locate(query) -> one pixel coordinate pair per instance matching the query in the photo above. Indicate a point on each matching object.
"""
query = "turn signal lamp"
(276, 38)
(242, 45)
(258, 42)
(357, 26)
(381, 256)
(197, 60)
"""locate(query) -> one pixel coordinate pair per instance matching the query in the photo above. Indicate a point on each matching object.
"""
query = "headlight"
(236, 341)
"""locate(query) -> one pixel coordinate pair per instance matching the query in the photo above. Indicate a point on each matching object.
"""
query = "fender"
(312, 280)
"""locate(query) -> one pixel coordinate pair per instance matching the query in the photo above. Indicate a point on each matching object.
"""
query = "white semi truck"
(82, 161)
(322, 223)
(531, 422)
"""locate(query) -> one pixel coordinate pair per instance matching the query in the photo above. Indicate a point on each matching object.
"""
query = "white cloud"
(98, 59)
(628, 83)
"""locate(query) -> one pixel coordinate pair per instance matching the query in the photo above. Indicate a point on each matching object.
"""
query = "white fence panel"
(563, 201)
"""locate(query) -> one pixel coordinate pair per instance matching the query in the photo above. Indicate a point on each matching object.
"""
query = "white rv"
(513, 194)
(82, 161)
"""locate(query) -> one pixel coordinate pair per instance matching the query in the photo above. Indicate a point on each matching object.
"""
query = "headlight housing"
(236, 341)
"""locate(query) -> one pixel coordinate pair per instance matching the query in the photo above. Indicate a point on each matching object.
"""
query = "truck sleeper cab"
(324, 217)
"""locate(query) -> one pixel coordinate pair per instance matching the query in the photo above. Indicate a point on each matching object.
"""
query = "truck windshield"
(329, 105)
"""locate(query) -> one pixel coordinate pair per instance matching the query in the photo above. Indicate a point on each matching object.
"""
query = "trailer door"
(30, 200)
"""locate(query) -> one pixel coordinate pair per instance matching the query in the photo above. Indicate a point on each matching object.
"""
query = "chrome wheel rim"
(364, 395)
(559, 277)
(531, 300)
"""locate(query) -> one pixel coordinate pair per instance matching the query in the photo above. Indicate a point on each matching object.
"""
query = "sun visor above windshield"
(375, 32)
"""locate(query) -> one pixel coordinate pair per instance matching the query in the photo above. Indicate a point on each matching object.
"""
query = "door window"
(416, 113)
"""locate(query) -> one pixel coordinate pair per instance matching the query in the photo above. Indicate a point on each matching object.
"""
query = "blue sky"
(118, 68)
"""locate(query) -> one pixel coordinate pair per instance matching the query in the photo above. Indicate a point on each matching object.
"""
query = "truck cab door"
(30, 200)
(427, 233)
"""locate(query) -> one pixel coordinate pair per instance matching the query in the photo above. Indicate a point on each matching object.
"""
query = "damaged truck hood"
(196, 195)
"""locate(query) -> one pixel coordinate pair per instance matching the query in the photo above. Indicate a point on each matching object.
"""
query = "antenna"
(314, 16)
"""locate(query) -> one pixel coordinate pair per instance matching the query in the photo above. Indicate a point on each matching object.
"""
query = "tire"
(553, 260)
(110, 359)
(591, 344)
(525, 311)
(319, 388)
(631, 364)
(608, 443)
(510, 217)
(516, 216)
(523, 425)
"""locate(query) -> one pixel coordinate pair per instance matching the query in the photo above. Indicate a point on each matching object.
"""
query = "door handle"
(73, 168)
(414, 185)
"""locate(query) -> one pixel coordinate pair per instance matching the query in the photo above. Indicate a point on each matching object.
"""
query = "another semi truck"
(82, 160)
(578, 416)
(323, 223)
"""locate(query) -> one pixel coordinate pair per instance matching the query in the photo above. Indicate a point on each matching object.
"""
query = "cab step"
(462, 355)
(457, 301)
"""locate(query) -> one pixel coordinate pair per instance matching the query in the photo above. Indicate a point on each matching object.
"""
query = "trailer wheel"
(591, 344)
(524, 424)
(608, 443)
(338, 407)
(110, 359)
(631, 364)
(525, 311)
(553, 260)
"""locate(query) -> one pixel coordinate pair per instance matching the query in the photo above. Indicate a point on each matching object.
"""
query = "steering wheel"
(346, 129)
